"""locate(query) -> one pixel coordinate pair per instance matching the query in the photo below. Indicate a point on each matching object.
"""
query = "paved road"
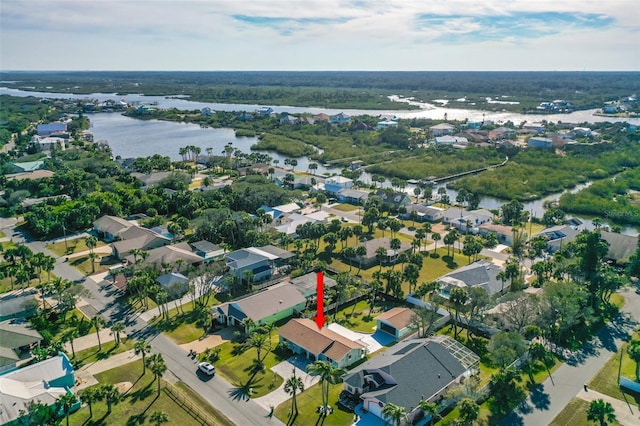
(215, 390)
(568, 380)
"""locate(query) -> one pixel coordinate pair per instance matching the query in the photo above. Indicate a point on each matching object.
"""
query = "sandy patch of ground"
(211, 341)
(123, 386)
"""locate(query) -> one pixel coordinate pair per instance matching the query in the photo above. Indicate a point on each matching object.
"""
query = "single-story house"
(458, 218)
(481, 273)
(137, 237)
(386, 124)
(277, 256)
(26, 166)
(168, 255)
(151, 179)
(17, 306)
(111, 227)
(302, 336)
(16, 341)
(424, 212)
(307, 284)
(47, 129)
(265, 307)
(621, 247)
(174, 284)
(289, 224)
(207, 250)
(450, 140)
(558, 235)
(397, 322)
(540, 142)
(44, 382)
(394, 198)
(340, 118)
(502, 133)
(353, 196)
(503, 232)
(412, 371)
(370, 259)
(442, 129)
(243, 260)
(534, 127)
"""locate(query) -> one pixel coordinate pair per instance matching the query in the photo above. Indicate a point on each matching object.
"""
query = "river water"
(130, 137)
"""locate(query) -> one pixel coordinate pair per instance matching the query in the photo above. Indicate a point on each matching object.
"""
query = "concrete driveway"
(285, 370)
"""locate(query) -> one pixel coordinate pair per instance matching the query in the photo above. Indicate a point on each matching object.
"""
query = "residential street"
(568, 380)
(216, 390)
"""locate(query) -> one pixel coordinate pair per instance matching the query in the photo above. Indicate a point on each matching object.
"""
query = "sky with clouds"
(320, 35)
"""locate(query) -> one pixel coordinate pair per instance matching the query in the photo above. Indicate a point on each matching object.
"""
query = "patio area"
(373, 342)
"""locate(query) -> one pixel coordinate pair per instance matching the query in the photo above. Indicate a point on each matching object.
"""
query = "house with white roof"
(335, 184)
(442, 129)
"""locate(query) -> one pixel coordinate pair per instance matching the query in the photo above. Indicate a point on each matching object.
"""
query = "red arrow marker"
(320, 318)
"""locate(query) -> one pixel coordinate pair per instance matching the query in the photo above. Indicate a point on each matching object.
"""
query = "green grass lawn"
(357, 317)
(72, 246)
(308, 401)
(140, 401)
(90, 355)
(235, 364)
(346, 207)
(606, 381)
(83, 264)
(575, 414)
(181, 326)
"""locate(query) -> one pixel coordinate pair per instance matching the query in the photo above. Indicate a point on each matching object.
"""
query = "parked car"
(207, 368)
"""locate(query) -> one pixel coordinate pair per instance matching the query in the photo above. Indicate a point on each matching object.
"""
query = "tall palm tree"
(259, 342)
(141, 347)
(98, 323)
(395, 413)
(634, 353)
(116, 329)
(89, 396)
(159, 417)
(91, 242)
(66, 401)
(69, 336)
(292, 386)
(329, 375)
(111, 395)
(602, 412)
(157, 366)
(458, 298)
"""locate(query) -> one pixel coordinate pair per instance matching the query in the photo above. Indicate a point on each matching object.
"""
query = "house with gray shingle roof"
(409, 372)
(257, 265)
(621, 247)
(264, 307)
(478, 274)
(16, 340)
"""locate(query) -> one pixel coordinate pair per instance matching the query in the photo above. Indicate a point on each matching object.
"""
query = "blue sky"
(320, 35)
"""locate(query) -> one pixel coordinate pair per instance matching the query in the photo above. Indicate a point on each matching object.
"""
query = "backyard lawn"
(236, 363)
(345, 207)
(358, 318)
(308, 401)
(90, 355)
(142, 400)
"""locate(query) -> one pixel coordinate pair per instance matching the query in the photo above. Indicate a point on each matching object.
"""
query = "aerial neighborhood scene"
(319, 213)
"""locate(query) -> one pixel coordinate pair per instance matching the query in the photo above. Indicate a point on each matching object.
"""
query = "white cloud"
(315, 34)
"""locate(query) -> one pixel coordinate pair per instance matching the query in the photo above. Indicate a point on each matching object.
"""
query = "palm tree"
(258, 341)
(98, 323)
(66, 401)
(436, 237)
(111, 395)
(291, 387)
(458, 297)
(157, 366)
(431, 409)
(602, 412)
(89, 396)
(634, 353)
(361, 252)
(141, 347)
(116, 329)
(91, 242)
(69, 336)
(538, 352)
(329, 375)
(159, 417)
(93, 256)
(395, 413)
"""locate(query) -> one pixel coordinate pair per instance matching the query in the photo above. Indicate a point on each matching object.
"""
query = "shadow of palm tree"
(243, 391)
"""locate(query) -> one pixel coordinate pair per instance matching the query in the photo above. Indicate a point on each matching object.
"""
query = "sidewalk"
(90, 340)
(624, 411)
(285, 370)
